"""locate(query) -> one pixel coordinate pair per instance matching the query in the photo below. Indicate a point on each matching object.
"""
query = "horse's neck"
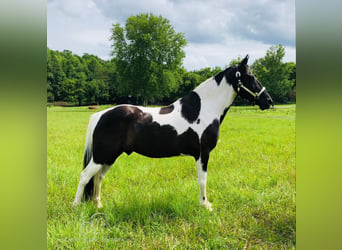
(216, 98)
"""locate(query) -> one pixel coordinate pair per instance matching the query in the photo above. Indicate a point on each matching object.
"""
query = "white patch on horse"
(91, 169)
(173, 118)
(214, 99)
(202, 183)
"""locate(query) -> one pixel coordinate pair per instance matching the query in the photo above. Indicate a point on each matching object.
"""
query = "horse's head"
(248, 87)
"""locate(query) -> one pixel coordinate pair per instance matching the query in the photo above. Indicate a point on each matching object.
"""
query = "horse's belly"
(157, 141)
(157, 146)
(157, 152)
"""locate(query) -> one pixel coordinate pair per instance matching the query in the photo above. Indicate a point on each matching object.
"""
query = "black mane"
(225, 73)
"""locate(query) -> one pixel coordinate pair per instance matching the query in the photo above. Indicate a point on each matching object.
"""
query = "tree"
(291, 68)
(274, 74)
(190, 81)
(79, 92)
(55, 75)
(206, 73)
(236, 61)
(91, 91)
(147, 54)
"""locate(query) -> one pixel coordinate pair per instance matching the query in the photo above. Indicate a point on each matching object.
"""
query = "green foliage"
(274, 74)
(235, 61)
(147, 68)
(55, 75)
(190, 80)
(154, 203)
(291, 68)
(148, 53)
(80, 80)
(206, 73)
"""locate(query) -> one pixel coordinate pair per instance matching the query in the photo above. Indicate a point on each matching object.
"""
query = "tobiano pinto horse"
(189, 126)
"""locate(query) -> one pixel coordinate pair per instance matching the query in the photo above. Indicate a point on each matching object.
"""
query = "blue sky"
(216, 31)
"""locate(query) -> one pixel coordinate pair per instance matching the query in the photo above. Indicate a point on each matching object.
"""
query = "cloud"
(203, 55)
(78, 26)
(271, 22)
(215, 30)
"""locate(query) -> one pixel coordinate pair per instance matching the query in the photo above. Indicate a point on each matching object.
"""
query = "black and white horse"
(189, 126)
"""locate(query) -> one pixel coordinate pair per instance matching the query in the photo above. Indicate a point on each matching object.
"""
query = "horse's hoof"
(75, 204)
(99, 205)
(207, 205)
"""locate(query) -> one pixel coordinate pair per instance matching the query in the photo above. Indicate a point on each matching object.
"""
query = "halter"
(240, 85)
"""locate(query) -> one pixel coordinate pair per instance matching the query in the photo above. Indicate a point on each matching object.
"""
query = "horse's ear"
(244, 61)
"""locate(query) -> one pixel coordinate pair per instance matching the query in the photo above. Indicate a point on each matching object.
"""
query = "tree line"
(146, 68)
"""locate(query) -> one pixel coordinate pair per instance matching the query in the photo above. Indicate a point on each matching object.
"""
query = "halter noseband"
(240, 85)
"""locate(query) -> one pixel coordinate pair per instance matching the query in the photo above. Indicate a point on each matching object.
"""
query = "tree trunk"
(145, 102)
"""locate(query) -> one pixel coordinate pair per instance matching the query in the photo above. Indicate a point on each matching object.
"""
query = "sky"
(216, 31)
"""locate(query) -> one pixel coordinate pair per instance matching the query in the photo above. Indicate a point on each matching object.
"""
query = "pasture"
(154, 203)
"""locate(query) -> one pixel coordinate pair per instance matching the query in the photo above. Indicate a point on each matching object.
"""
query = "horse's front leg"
(202, 182)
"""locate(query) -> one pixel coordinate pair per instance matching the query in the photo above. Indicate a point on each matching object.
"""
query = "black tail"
(89, 188)
(88, 154)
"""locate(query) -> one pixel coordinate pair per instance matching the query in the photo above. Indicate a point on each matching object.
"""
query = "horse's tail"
(88, 154)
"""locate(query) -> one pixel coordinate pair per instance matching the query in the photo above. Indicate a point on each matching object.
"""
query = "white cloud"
(206, 55)
(78, 26)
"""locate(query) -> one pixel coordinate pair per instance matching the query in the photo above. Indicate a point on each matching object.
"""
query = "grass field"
(154, 203)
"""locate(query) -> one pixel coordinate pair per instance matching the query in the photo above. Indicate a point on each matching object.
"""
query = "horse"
(188, 126)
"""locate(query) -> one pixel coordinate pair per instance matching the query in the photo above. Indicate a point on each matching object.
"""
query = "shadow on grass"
(168, 213)
(141, 212)
(159, 209)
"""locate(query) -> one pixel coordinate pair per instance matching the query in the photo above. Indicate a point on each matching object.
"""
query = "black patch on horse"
(154, 140)
(166, 110)
(189, 143)
(110, 133)
(208, 142)
(89, 188)
(191, 106)
(224, 114)
(128, 129)
(225, 73)
(219, 77)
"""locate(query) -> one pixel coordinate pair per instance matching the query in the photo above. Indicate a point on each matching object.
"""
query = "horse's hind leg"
(97, 184)
(91, 170)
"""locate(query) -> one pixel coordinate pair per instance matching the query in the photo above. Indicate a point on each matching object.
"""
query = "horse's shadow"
(142, 212)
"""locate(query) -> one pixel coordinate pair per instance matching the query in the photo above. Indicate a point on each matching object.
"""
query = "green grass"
(154, 203)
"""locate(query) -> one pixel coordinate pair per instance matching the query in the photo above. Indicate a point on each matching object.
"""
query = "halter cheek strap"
(240, 85)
